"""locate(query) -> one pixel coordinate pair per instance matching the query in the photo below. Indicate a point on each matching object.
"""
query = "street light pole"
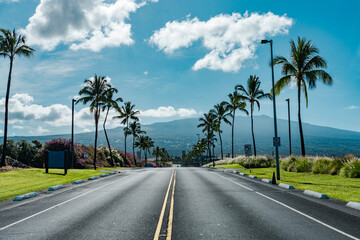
(72, 131)
(199, 146)
(288, 101)
(274, 107)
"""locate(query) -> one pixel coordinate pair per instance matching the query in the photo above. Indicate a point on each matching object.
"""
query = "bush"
(254, 162)
(11, 148)
(304, 165)
(26, 153)
(351, 169)
(322, 166)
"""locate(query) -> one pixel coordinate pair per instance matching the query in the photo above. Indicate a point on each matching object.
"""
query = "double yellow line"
(171, 211)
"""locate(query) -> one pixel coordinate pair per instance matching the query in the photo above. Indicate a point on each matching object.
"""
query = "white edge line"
(293, 209)
(234, 182)
(57, 205)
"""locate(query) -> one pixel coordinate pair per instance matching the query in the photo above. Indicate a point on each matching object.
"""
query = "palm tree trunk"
(232, 135)
(221, 148)
(3, 156)
(210, 152)
(96, 133)
(156, 159)
(133, 143)
(107, 139)
(127, 125)
(252, 129)
(300, 124)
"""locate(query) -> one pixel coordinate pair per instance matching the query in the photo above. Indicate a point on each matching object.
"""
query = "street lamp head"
(264, 41)
(287, 99)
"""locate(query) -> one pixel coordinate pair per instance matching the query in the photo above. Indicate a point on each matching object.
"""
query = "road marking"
(57, 205)
(234, 182)
(171, 213)
(293, 209)
(158, 228)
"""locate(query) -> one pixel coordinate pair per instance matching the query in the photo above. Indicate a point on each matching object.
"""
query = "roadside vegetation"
(14, 183)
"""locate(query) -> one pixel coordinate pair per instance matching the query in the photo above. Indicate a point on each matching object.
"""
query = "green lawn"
(235, 165)
(14, 183)
(346, 189)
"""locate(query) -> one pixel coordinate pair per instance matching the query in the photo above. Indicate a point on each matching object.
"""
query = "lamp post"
(288, 101)
(72, 131)
(276, 139)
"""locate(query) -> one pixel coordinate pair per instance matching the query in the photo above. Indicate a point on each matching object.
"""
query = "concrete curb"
(92, 178)
(104, 175)
(243, 174)
(77, 181)
(112, 173)
(286, 186)
(315, 194)
(252, 176)
(355, 205)
(235, 171)
(25, 196)
(53, 188)
(266, 180)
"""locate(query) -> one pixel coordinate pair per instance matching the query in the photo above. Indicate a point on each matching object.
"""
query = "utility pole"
(72, 132)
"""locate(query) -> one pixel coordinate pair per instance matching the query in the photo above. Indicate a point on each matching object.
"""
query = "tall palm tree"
(11, 45)
(149, 143)
(157, 153)
(220, 113)
(208, 122)
(234, 104)
(252, 94)
(109, 103)
(126, 113)
(304, 68)
(140, 143)
(134, 129)
(95, 91)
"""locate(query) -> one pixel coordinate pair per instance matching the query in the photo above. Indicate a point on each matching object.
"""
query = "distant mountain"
(180, 135)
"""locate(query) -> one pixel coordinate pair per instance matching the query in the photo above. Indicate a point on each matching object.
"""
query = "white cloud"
(40, 131)
(352, 107)
(146, 73)
(85, 24)
(169, 111)
(18, 127)
(231, 39)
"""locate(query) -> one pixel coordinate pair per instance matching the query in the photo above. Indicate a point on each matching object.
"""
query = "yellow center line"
(158, 228)
(171, 212)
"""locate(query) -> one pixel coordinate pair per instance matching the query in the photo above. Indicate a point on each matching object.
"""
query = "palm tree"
(149, 143)
(134, 129)
(234, 104)
(140, 143)
(220, 113)
(304, 68)
(252, 94)
(109, 103)
(11, 45)
(157, 153)
(207, 122)
(126, 113)
(95, 92)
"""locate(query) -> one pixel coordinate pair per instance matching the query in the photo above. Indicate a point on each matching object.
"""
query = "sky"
(173, 59)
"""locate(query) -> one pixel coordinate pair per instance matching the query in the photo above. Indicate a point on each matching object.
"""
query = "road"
(177, 203)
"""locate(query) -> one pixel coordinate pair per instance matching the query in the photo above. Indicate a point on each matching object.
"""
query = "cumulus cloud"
(352, 107)
(231, 39)
(169, 111)
(85, 24)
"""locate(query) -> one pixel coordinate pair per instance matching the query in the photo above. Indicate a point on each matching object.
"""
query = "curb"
(252, 176)
(92, 178)
(104, 175)
(235, 171)
(355, 205)
(77, 181)
(53, 188)
(112, 173)
(243, 174)
(266, 180)
(286, 186)
(315, 194)
(25, 196)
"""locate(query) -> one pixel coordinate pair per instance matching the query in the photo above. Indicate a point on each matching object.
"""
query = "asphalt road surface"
(177, 203)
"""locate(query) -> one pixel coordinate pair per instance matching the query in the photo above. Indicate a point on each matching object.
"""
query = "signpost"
(276, 141)
(58, 159)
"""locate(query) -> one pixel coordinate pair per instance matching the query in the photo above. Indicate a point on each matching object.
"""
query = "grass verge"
(14, 183)
(235, 165)
(346, 189)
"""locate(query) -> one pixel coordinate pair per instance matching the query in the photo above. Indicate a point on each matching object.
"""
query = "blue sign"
(56, 159)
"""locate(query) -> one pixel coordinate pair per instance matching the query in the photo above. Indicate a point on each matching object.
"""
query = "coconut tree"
(110, 103)
(157, 152)
(220, 113)
(208, 122)
(11, 45)
(95, 91)
(148, 143)
(252, 94)
(304, 67)
(140, 142)
(235, 103)
(134, 129)
(126, 113)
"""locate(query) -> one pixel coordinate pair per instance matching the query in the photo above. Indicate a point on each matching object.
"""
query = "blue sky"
(174, 59)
